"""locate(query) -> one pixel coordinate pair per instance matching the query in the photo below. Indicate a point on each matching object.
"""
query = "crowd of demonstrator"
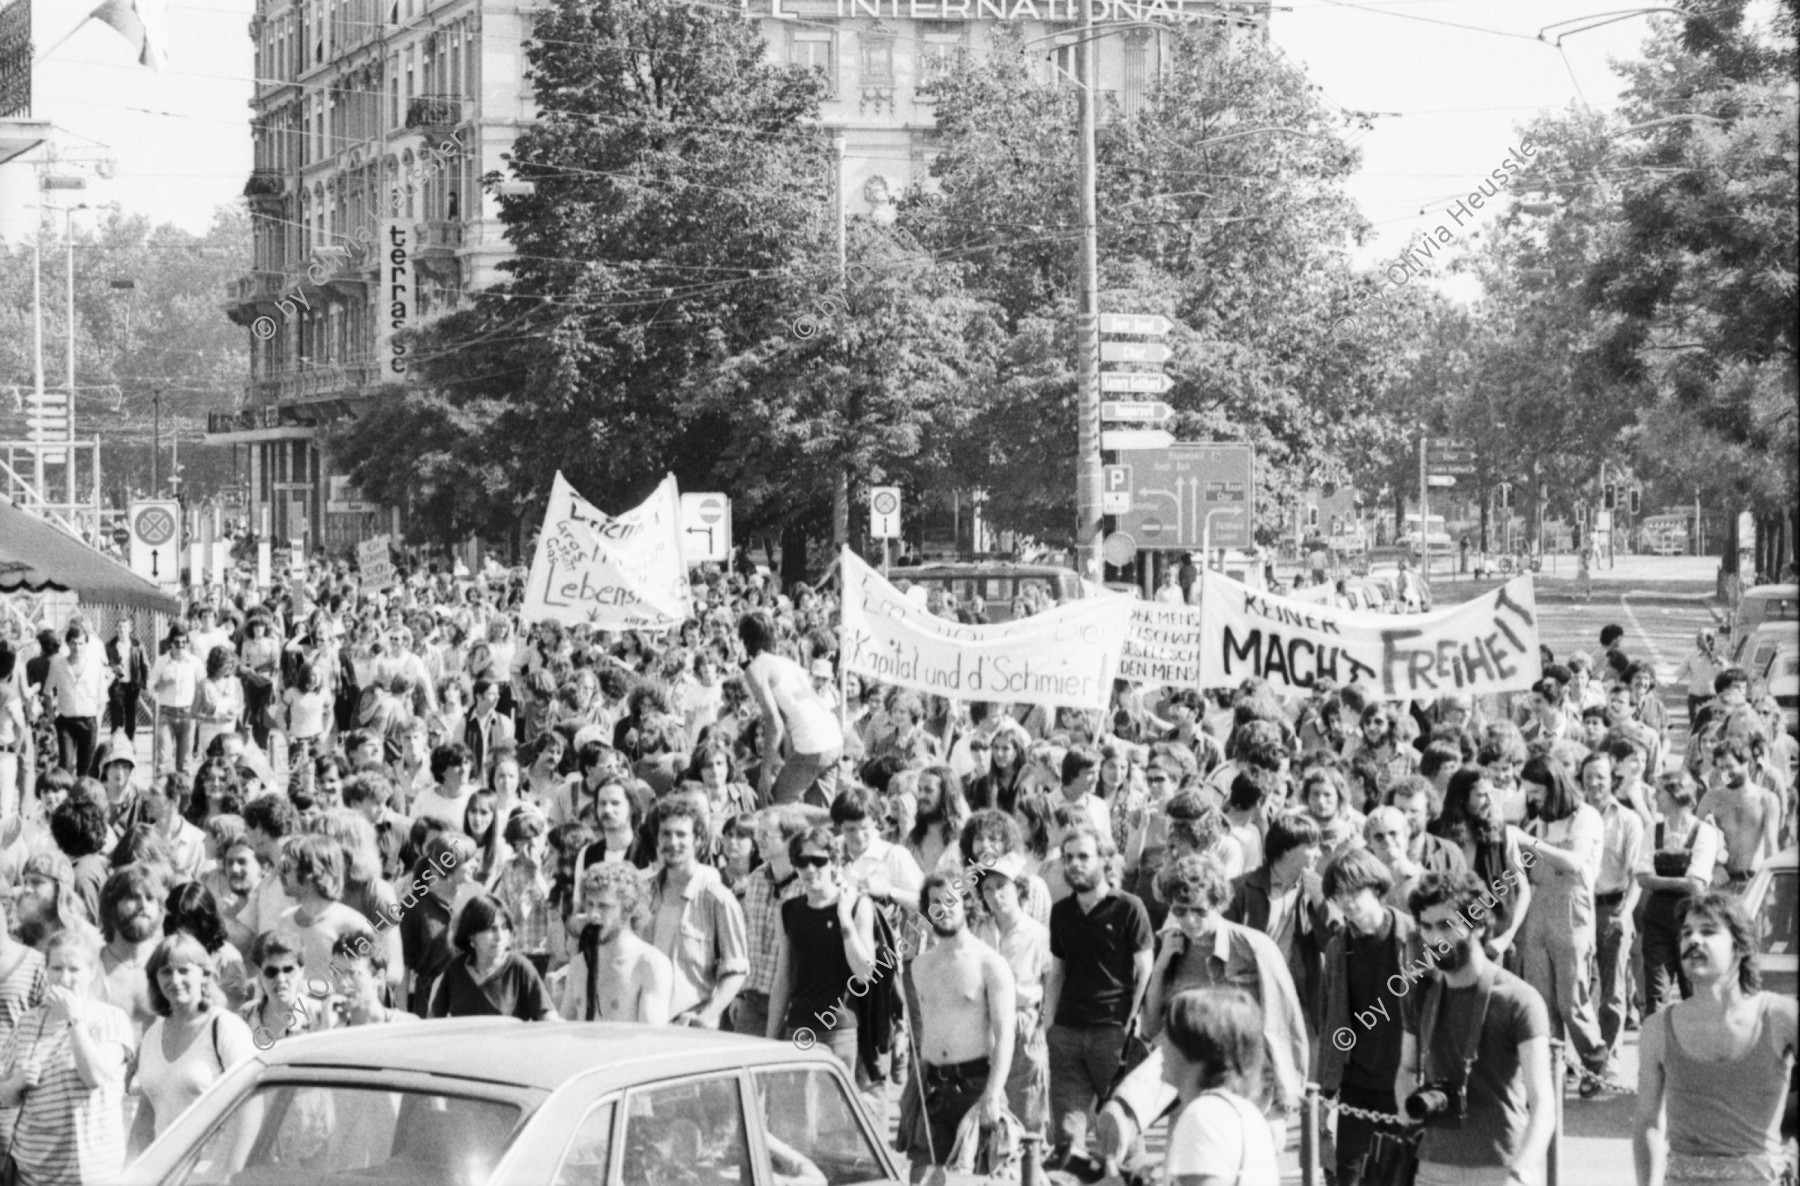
(1185, 907)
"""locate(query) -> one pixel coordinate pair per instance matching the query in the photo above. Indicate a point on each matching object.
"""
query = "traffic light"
(1637, 501)
(1612, 496)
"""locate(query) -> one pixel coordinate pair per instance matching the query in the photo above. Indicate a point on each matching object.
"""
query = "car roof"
(1787, 858)
(1004, 568)
(536, 1055)
(1761, 591)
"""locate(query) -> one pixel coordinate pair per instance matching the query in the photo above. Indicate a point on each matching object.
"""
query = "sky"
(1457, 76)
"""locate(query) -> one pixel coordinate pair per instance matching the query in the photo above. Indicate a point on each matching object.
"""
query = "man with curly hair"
(614, 975)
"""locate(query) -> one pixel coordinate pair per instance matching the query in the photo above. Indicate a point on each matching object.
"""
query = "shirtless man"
(1748, 815)
(966, 1025)
(631, 981)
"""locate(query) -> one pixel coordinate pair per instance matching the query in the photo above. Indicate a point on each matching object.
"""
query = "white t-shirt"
(1222, 1134)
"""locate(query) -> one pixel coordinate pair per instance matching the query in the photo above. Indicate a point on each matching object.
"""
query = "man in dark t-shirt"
(1100, 960)
(1472, 1024)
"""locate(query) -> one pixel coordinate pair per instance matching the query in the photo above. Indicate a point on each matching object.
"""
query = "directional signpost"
(1133, 411)
(1115, 440)
(1135, 383)
(1145, 325)
(1190, 496)
(1154, 352)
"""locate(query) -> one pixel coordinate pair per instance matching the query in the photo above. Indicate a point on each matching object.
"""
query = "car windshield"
(301, 1134)
(1775, 920)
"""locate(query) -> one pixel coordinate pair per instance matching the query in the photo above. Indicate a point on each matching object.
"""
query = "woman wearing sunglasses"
(280, 1005)
(827, 939)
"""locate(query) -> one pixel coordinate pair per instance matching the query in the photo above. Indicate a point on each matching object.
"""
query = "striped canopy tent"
(36, 556)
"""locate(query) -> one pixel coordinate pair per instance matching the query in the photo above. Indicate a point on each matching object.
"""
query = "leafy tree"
(1221, 204)
(164, 333)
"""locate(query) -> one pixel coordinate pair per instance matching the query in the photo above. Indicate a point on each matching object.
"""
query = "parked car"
(500, 1102)
(1779, 676)
(1763, 603)
(995, 582)
(1770, 901)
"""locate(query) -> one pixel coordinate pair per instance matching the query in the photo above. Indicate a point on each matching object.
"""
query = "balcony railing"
(439, 237)
(256, 288)
(309, 382)
(434, 112)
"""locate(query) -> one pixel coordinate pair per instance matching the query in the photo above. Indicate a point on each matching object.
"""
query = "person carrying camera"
(1475, 1056)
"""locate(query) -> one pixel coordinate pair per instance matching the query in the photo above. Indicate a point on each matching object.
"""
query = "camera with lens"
(1440, 1103)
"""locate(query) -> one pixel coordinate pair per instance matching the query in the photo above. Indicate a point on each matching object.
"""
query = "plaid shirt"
(762, 913)
(526, 891)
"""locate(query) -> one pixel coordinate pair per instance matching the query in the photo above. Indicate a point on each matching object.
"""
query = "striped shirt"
(20, 992)
(67, 1133)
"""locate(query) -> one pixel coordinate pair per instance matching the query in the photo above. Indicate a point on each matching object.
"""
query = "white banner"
(624, 573)
(1486, 645)
(373, 562)
(1163, 648)
(1066, 657)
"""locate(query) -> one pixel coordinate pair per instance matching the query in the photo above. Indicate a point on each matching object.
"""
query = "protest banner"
(1486, 645)
(1163, 647)
(373, 562)
(1066, 657)
(614, 573)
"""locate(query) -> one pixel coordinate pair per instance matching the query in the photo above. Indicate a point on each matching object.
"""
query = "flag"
(144, 23)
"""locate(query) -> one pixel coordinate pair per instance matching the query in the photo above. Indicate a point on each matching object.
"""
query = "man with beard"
(939, 819)
(1748, 815)
(966, 1024)
(693, 918)
(131, 915)
(1416, 799)
(231, 884)
(614, 975)
(162, 806)
(1713, 1069)
(1100, 960)
(1477, 1040)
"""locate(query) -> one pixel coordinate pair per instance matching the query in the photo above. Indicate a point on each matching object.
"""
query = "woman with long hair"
(1564, 845)
(366, 891)
(193, 1042)
(219, 700)
(1376, 756)
(801, 740)
(1492, 850)
(192, 910)
(1121, 784)
(714, 767)
(217, 790)
(259, 667)
(1005, 781)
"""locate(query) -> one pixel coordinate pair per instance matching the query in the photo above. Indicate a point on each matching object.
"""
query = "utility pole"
(840, 496)
(69, 244)
(1424, 508)
(1087, 399)
(155, 437)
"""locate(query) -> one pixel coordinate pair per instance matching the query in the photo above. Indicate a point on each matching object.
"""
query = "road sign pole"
(1087, 433)
(1424, 516)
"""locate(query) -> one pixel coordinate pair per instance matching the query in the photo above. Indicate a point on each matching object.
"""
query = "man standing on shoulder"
(1475, 1055)
(966, 1025)
(1713, 1069)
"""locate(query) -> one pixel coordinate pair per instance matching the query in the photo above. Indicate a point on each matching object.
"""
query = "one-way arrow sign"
(1148, 324)
(1136, 382)
(1134, 352)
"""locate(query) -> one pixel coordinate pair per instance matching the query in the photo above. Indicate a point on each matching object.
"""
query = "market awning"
(36, 555)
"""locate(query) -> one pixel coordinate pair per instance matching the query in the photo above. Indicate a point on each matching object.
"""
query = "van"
(996, 583)
(1764, 603)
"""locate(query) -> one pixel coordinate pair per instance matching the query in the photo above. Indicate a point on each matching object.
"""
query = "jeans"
(174, 738)
(1613, 960)
(799, 774)
(1664, 981)
(76, 737)
(1559, 970)
(121, 708)
(1083, 1060)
